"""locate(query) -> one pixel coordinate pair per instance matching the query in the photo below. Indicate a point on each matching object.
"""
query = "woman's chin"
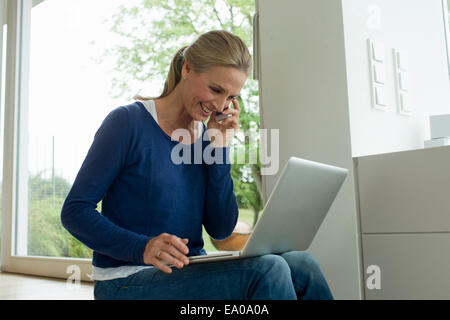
(202, 116)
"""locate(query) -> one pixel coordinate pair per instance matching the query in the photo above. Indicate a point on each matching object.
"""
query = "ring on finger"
(158, 253)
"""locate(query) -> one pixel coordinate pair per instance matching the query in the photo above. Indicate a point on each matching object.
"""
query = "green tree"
(154, 30)
(40, 188)
(46, 235)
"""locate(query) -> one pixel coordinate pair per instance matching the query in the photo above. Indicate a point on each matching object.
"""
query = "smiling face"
(204, 93)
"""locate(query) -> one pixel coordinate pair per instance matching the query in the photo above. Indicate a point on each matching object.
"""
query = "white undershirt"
(101, 274)
(151, 108)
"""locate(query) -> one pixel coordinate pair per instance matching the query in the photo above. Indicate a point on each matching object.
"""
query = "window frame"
(15, 177)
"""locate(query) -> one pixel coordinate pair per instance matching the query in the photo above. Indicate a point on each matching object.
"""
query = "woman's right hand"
(166, 249)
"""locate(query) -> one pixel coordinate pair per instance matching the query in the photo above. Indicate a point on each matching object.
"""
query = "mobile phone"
(220, 116)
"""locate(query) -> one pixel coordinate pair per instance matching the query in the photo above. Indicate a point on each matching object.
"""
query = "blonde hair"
(216, 48)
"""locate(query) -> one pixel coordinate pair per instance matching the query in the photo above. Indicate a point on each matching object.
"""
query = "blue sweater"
(144, 193)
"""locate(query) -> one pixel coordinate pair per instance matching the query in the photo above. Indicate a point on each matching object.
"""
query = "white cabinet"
(404, 207)
(412, 265)
(405, 191)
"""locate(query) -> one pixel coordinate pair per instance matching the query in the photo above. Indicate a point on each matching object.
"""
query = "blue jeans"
(289, 276)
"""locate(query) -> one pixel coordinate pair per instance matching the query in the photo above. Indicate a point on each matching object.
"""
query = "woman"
(153, 207)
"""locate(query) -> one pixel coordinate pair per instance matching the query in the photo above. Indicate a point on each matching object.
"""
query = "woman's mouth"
(205, 110)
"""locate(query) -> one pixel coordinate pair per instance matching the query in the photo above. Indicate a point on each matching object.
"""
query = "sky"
(70, 94)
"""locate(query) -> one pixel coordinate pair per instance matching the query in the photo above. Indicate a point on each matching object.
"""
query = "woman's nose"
(220, 105)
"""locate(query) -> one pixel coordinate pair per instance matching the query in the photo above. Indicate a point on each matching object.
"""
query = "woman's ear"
(186, 70)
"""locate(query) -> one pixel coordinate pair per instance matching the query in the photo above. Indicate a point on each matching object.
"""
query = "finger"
(234, 113)
(234, 110)
(212, 117)
(177, 255)
(231, 111)
(233, 125)
(230, 122)
(236, 104)
(177, 243)
(171, 260)
(162, 266)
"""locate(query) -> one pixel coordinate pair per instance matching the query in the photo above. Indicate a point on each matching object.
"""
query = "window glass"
(85, 58)
(69, 96)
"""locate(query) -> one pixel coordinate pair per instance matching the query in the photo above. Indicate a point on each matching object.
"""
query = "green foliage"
(40, 188)
(46, 235)
(155, 29)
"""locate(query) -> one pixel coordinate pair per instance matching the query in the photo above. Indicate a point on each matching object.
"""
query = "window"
(67, 98)
(63, 96)
(68, 61)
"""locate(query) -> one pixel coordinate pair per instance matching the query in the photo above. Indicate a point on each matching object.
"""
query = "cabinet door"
(405, 191)
(412, 266)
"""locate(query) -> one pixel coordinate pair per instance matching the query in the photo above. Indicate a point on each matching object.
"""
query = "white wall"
(416, 26)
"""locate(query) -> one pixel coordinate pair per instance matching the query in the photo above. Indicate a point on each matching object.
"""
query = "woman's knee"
(271, 263)
(273, 279)
(274, 270)
(301, 260)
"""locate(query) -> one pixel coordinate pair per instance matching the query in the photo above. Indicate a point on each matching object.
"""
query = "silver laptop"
(293, 213)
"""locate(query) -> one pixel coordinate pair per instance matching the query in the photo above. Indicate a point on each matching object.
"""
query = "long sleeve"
(221, 209)
(103, 163)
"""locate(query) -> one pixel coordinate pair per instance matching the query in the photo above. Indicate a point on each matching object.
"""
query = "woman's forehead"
(226, 78)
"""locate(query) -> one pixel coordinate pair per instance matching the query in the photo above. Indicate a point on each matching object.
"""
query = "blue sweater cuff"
(140, 248)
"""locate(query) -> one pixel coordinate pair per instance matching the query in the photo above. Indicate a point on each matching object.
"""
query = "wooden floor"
(25, 287)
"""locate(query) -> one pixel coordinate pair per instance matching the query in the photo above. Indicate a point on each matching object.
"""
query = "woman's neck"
(172, 112)
(172, 115)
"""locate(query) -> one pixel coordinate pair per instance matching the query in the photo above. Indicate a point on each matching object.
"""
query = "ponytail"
(173, 77)
(212, 49)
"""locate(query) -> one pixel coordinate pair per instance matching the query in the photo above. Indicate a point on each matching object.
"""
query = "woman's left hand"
(225, 130)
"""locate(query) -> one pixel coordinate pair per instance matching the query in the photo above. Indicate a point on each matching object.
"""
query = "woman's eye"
(215, 90)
